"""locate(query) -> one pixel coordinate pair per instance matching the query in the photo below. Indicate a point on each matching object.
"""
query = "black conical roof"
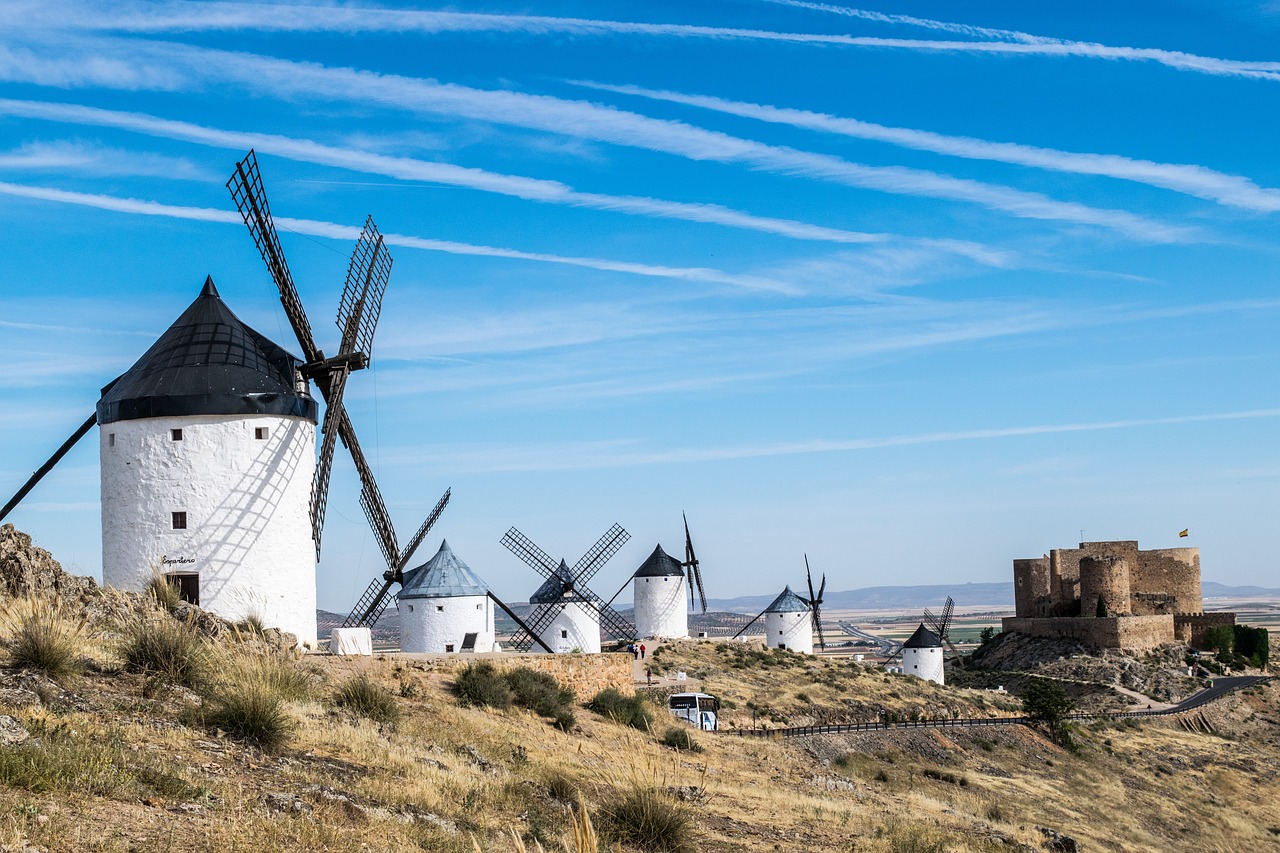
(207, 363)
(923, 638)
(660, 564)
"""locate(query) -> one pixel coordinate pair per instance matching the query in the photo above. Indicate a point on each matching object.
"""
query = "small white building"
(660, 590)
(444, 607)
(207, 450)
(575, 618)
(922, 656)
(788, 623)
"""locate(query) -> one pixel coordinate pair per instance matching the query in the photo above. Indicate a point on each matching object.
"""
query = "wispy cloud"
(625, 453)
(349, 232)
(410, 169)
(1198, 181)
(290, 80)
(63, 156)
(284, 17)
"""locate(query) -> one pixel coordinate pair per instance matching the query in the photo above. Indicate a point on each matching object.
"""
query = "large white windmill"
(790, 621)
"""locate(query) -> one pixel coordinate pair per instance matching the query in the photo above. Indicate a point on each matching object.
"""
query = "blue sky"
(915, 288)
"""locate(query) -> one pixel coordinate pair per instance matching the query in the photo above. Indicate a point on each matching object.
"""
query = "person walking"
(642, 651)
(648, 676)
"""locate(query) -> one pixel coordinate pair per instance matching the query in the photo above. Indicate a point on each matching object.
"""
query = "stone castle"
(1112, 595)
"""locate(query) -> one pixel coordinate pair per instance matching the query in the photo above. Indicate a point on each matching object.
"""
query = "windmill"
(358, 312)
(941, 627)
(564, 602)
(791, 620)
(690, 565)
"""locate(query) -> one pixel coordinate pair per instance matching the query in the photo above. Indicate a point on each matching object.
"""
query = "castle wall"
(244, 484)
(1192, 627)
(1170, 571)
(1130, 633)
(1104, 579)
(1030, 584)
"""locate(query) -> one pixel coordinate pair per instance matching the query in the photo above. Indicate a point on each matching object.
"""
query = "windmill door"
(188, 584)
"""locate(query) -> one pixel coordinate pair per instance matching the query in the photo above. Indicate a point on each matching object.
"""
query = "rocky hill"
(110, 756)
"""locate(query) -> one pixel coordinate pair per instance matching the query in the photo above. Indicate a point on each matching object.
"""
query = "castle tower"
(576, 624)
(788, 623)
(922, 656)
(207, 449)
(1104, 578)
(444, 607)
(659, 591)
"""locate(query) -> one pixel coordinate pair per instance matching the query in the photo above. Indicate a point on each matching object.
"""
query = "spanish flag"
(1184, 534)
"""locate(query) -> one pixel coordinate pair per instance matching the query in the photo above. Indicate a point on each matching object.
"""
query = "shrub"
(250, 712)
(650, 819)
(480, 685)
(282, 674)
(252, 625)
(562, 788)
(362, 696)
(166, 649)
(564, 719)
(537, 691)
(680, 738)
(629, 710)
(42, 636)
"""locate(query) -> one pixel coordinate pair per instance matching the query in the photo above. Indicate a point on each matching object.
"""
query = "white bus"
(697, 709)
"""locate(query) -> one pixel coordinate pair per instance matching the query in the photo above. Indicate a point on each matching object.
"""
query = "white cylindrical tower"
(444, 607)
(574, 628)
(788, 623)
(207, 449)
(922, 656)
(659, 594)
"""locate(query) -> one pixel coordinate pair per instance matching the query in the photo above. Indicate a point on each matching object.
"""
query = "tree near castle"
(1047, 703)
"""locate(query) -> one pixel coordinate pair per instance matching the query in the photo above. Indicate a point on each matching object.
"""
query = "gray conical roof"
(923, 638)
(443, 576)
(207, 363)
(660, 564)
(552, 589)
(787, 602)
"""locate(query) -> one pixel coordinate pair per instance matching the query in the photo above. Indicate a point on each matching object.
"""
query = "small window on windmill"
(111, 439)
(448, 647)
(175, 435)
(564, 634)
(439, 608)
(260, 433)
(179, 521)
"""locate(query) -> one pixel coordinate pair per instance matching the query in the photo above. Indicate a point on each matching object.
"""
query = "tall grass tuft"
(247, 699)
(44, 637)
(58, 758)
(681, 738)
(632, 711)
(644, 812)
(163, 591)
(167, 650)
(361, 696)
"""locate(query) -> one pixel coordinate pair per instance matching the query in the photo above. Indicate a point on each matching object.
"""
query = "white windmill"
(790, 621)
(659, 587)
(444, 607)
(922, 655)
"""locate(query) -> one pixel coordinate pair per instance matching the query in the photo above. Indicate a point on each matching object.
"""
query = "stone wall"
(1191, 627)
(1131, 633)
(586, 675)
(1030, 583)
(1170, 571)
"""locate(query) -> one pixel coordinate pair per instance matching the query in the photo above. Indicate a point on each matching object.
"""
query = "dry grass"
(44, 636)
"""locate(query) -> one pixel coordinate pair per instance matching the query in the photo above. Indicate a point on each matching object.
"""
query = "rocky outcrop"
(27, 569)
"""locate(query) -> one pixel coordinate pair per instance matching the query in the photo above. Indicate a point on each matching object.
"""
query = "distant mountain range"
(1212, 589)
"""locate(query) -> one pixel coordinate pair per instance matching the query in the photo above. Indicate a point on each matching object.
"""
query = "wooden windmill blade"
(48, 466)
(250, 199)
(541, 618)
(526, 631)
(613, 624)
(691, 564)
(744, 628)
(386, 534)
(815, 603)
(361, 302)
(424, 529)
(591, 562)
(333, 414)
(537, 559)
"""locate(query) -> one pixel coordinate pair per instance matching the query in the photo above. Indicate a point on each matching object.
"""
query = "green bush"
(166, 649)
(680, 738)
(649, 819)
(1252, 644)
(628, 710)
(479, 685)
(361, 696)
(251, 712)
(537, 691)
(45, 638)
(58, 758)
